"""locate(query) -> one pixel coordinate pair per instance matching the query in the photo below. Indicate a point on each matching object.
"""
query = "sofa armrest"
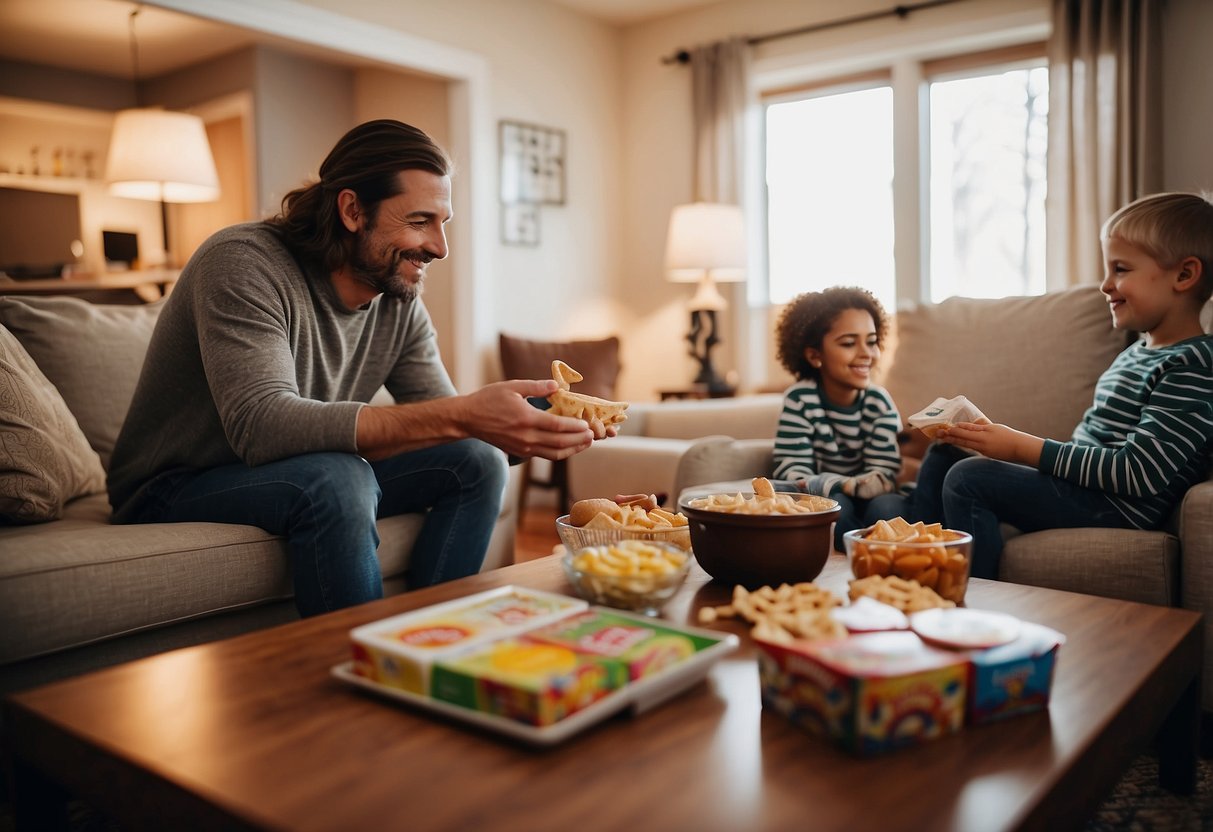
(1196, 565)
(718, 458)
(744, 417)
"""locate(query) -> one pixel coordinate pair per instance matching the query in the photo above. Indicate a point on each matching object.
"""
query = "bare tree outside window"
(987, 144)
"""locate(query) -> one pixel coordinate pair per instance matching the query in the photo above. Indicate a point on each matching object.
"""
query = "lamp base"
(702, 338)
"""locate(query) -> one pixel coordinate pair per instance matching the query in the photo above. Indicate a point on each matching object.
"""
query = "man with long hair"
(252, 404)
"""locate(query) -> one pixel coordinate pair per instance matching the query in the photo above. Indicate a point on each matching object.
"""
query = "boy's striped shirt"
(824, 444)
(1149, 434)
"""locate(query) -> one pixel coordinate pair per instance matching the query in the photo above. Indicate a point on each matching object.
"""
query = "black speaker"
(120, 247)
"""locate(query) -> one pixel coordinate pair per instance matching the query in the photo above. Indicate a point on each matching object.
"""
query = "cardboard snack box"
(531, 682)
(868, 693)
(400, 651)
(1015, 678)
(640, 645)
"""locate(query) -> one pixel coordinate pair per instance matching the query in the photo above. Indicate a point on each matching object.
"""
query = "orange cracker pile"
(793, 612)
(916, 552)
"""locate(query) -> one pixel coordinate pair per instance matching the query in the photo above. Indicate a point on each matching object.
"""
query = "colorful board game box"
(1014, 678)
(533, 683)
(640, 645)
(868, 693)
(399, 651)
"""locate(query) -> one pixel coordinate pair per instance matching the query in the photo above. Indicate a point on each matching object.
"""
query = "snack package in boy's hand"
(943, 413)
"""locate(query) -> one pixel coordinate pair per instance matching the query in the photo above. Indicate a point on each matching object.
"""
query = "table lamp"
(159, 154)
(706, 245)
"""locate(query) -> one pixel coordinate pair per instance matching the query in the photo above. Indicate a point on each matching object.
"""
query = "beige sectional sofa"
(1028, 362)
(77, 592)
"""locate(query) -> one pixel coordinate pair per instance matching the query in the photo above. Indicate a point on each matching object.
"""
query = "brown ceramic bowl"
(761, 549)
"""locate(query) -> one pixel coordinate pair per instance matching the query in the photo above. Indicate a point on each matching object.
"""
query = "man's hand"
(995, 441)
(500, 415)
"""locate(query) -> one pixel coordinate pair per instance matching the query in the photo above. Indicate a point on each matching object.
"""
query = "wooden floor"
(536, 533)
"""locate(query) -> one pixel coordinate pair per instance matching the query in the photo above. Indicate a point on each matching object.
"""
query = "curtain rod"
(683, 56)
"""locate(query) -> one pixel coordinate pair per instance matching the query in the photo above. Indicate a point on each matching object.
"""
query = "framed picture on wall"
(520, 224)
(532, 163)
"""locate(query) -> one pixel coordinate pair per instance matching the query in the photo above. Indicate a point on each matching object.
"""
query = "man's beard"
(385, 277)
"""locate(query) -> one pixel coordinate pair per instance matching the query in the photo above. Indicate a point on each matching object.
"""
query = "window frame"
(909, 78)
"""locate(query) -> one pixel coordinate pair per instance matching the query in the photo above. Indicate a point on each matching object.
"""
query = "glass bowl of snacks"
(636, 575)
(935, 557)
(761, 537)
(600, 522)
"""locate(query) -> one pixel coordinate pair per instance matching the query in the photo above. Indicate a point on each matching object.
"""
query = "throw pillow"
(1029, 362)
(44, 458)
(91, 353)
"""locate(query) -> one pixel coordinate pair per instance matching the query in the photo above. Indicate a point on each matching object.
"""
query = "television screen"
(39, 232)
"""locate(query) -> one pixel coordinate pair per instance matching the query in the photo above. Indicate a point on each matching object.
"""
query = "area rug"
(1139, 804)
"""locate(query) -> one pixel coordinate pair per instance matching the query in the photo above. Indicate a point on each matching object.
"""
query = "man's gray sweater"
(255, 359)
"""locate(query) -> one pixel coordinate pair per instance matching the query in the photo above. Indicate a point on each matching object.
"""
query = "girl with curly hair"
(837, 434)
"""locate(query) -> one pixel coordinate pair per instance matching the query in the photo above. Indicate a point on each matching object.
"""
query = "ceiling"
(94, 35)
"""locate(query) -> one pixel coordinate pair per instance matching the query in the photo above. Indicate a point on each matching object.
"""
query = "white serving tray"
(639, 696)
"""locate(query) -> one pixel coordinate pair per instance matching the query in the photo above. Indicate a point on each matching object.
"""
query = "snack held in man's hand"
(598, 413)
(765, 501)
(943, 413)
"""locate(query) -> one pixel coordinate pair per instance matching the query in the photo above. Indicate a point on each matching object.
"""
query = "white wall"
(551, 66)
(302, 108)
(422, 102)
(1187, 95)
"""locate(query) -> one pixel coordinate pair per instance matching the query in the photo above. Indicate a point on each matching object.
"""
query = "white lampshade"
(161, 155)
(706, 238)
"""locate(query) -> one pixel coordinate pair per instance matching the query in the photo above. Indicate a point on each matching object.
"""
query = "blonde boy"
(1148, 435)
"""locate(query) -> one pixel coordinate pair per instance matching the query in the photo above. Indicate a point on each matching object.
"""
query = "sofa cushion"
(1029, 362)
(744, 417)
(80, 580)
(44, 458)
(93, 354)
(1115, 563)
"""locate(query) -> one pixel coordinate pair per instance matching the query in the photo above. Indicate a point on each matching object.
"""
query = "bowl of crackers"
(761, 537)
(926, 553)
(630, 574)
(600, 522)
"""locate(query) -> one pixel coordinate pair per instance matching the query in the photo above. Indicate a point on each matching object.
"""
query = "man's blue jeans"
(975, 494)
(326, 504)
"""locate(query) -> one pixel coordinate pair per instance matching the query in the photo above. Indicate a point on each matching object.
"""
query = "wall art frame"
(532, 163)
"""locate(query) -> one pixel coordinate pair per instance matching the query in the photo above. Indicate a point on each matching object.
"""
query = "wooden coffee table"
(253, 733)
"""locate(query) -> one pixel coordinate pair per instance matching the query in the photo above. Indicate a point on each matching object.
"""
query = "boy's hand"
(995, 441)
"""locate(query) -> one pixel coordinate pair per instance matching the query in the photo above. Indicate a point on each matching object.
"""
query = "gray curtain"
(719, 76)
(1105, 118)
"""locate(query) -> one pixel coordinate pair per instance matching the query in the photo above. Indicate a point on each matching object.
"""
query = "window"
(829, 179)
(987, 190)
(967, 208)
